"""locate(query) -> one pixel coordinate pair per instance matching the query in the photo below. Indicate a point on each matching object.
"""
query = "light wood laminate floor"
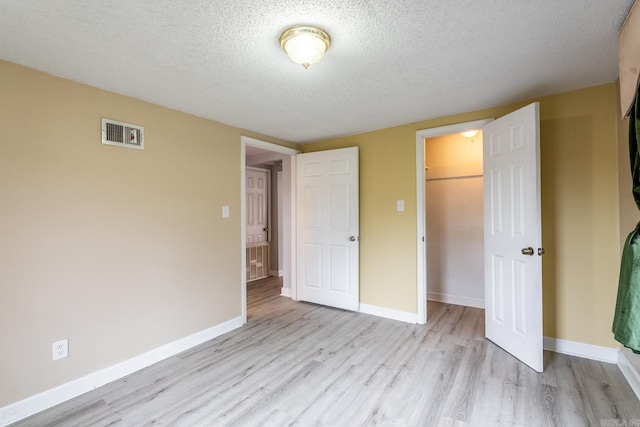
(307, 365)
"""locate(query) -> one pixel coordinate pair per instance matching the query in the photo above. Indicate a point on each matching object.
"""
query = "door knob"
(527, 251)
(540, 251)
(352, 238)
(265, 229)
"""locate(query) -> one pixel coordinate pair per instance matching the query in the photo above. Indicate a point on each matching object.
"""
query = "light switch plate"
(225, 212)
(400, 205)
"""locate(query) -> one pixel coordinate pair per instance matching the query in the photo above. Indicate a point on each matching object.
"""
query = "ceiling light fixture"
(305, 45)
(469, 133)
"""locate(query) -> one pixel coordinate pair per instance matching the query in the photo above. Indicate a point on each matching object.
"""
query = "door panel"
(257, 181)
(327, 212)
(513, 280)
(497, 287)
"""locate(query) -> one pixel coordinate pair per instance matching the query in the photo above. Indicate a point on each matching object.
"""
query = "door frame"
(421, 225)
(288, 232)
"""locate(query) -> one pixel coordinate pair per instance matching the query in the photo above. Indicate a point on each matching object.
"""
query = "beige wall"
(387, 237)
(118, 250)
(122, 251)
(580, 215)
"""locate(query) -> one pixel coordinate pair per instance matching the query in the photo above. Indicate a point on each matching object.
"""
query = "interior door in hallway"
(257, 205)
(327, 232)
(513, 237)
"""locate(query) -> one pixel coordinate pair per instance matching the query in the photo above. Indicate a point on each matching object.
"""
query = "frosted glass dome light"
(469, 133)
(305, 45)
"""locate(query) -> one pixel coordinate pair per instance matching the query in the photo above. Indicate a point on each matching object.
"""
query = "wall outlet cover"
(60, 349)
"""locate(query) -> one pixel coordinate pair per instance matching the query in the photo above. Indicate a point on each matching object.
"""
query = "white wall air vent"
(122, 134)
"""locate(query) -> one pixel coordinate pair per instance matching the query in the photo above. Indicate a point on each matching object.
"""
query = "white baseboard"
(588, 351)
(595, 352)
(285, 292)
(34, 404)
(630, 373)
(47, 399)
(389, 313)
(454, 299)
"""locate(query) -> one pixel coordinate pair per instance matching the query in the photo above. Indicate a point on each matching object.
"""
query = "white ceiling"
(390, 62)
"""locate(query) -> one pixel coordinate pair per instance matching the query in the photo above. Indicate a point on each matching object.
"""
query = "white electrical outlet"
(60, 349)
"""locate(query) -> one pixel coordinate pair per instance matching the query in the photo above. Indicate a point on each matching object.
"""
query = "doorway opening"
(440, 174)
(454, 219)
(262, 219)
(512, 228)
(276, 244)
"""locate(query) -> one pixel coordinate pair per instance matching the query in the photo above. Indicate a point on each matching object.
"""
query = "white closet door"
(513, 237)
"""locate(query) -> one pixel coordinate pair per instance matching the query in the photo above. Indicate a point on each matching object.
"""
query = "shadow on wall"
(567, 179)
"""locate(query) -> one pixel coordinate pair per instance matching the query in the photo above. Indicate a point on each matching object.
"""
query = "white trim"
(420, 206)
(292, 260)
(588, 351)
(455, 299)
(454, 128)
(269, 146)
(243, 230)
(285, 292)
(389, 313)
(39, 402)
(630, 373)
(599, 353)
(421, 234)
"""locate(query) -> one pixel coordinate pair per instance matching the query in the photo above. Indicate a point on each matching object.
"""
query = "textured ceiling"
(390, 62)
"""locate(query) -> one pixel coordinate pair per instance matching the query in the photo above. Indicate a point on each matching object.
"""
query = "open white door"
(327, 218)
(513, 237)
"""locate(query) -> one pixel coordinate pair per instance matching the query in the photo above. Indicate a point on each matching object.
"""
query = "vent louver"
(122, 134)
